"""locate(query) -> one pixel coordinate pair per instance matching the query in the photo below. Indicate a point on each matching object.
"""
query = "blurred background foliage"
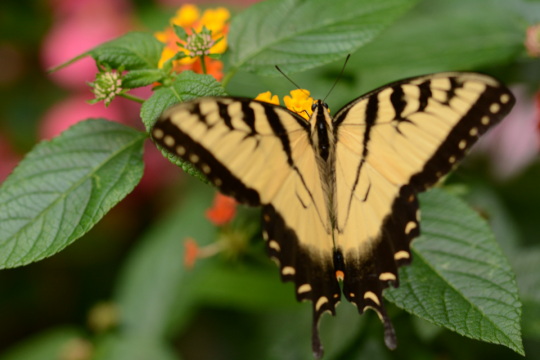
(123, 292)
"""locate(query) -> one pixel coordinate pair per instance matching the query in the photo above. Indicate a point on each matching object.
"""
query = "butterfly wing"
(261, 154)
(392, 143)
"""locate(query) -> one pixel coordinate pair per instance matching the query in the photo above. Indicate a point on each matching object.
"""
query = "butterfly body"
(338, 195)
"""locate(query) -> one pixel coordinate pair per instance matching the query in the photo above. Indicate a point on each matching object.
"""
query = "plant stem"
(228, 76)
(203, 64)
(132, 97)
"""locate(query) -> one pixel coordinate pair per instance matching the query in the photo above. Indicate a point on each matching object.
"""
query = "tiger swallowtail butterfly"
(338, 195)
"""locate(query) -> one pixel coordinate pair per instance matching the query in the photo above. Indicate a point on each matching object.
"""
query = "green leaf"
(134, 348)
(137, 78)
(64, 186)
(298, 35)
(187, 86)
(439, 36)
(180, 32)
(459, 277)
(135, 50)
(49, 345)
(153, 291)
(526, 263)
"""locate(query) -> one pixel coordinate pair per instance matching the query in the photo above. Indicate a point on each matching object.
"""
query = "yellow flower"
(189, 17)
(216, 21)
(186, 16)
(267, 97)
(299, 102)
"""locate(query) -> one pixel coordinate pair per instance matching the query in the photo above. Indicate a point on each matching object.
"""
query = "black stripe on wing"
(180, 143)
(467, 131)
(189, 150)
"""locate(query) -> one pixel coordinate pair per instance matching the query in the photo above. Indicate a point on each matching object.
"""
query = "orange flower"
(188, 17)
(222, 211)
(267, 97)
(300, 102)
(191, 252)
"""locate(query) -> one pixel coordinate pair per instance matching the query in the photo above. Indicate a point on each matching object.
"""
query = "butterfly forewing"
(391, 144)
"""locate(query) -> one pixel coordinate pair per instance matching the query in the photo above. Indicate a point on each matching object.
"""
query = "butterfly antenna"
(339, 77)
(288, 78)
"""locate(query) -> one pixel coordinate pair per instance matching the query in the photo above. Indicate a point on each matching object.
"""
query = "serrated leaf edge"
(517, 347)
(54, 203)
(235, 67)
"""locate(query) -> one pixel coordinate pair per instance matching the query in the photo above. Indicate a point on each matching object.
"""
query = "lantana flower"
(299, 102)
(107, 86)
(191, 252)
(222, 211)
(209, 29)
(267, 97)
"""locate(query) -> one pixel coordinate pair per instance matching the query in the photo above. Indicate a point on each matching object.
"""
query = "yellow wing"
(261, 154)
(391, 144)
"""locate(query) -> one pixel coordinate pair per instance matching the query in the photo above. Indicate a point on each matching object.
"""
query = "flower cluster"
(221, 213)
(205, 35)
(299, 102)
(199, 44)
(107, 85)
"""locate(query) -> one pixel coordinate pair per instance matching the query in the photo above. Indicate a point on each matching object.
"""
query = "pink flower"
(74, 109)
(83, 24)
(515, 142)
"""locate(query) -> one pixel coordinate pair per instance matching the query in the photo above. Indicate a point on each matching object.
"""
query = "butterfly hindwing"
(261, 154)
(392, 143)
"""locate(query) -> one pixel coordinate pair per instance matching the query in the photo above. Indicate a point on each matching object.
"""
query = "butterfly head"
(321, 114)
(319, 104)
(321, 126)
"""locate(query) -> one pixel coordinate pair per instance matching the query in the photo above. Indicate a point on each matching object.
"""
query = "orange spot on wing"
(340, 275)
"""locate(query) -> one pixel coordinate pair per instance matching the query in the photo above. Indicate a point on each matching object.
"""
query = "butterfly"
(338, 194)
